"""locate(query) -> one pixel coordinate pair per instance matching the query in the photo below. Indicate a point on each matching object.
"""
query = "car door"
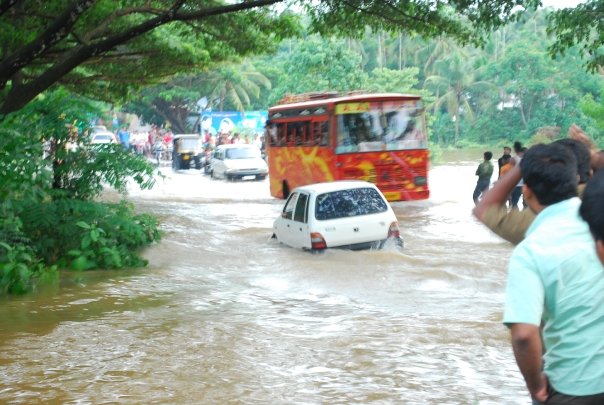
(292, 227)
(218, 163)
(299, 226)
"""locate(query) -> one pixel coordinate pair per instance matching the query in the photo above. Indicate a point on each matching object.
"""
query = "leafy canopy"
(106, 48)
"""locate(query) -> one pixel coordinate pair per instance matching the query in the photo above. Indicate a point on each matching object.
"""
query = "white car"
(238, 161)
(100, 135)
(350, 214)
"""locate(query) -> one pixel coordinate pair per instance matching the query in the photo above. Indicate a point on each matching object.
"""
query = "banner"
(233, 121)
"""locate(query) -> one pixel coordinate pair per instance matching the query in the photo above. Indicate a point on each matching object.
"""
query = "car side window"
(290, 206)
(349, 203)
(300, 214)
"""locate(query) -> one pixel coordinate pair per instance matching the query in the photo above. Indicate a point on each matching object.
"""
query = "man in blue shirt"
(124, 137)
(554, 302)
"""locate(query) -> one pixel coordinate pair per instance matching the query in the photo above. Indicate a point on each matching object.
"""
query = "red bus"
(380, 138)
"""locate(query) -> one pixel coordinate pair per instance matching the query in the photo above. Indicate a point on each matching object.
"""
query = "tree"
(107, 47)
(171, 102)
(454, 86)
(582, 26)
(235, 85)
(320, 65)
(396, 81)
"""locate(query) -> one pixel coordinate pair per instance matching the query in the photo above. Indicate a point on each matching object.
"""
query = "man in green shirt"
(484, 173)
(554, 304)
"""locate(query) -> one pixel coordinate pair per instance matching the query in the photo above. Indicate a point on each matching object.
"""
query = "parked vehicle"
(351, 214)
(187, 148)
(238, 161)
(100, 135)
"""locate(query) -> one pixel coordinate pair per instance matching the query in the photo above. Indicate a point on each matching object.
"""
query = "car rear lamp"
(317, 241)
(393, 231)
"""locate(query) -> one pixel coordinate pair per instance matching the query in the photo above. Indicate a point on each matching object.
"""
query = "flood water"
(225, 315)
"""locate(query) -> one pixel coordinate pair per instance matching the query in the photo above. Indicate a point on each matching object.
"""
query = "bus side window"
(325, 141)
(280, 135)
(319, 134)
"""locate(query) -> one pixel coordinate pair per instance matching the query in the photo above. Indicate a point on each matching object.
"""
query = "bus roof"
(315, 99)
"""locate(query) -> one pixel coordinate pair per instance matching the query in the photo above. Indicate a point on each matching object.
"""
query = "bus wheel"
(285, 189)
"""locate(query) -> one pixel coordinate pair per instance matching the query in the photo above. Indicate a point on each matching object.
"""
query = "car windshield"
(102, 138)
(349, 203)
(189, 143)
(242, 153)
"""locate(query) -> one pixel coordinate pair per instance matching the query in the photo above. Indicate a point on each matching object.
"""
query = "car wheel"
(285, 189)
(176, 163)
(212, 174)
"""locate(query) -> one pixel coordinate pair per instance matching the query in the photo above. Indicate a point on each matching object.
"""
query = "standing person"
(124, 137)
(484, 173)
(592, 210)
(554, 305)
(512, 225)
(515, 161)
(504, 159)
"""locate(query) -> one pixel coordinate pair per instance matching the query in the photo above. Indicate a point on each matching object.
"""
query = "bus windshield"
(372, 126)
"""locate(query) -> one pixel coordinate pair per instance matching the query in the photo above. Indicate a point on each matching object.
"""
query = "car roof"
(101, 132)
(187, 136)
(335, 186)
(236, 145)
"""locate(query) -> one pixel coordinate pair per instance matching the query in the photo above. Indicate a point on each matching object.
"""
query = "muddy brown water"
(225, 315)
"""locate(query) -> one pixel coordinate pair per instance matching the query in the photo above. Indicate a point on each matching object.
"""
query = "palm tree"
(454, 85)
(236, 85)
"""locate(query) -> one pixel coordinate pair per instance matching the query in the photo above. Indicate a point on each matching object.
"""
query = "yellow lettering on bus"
(351, 108)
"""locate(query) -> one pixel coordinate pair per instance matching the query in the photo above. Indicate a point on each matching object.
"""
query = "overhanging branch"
(58, 30)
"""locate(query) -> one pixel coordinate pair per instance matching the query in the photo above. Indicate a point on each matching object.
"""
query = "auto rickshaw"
(187, 151)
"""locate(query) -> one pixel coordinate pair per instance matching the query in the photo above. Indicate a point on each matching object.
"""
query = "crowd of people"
(554, 299)
(158, 142)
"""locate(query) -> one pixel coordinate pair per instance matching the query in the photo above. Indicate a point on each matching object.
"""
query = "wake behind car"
(238, 161)
(349, 214)
(187, 148)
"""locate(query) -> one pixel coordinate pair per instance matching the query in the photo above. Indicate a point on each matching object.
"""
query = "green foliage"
(106, 49)
(467, 21)
(582, 26)
(50, 175)
(393, 81)
(595, 111)
(319, 65)
(110, 239)
(20, 271)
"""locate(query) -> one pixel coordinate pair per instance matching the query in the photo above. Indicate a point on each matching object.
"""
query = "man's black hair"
(517, 146)
(581, 152)
(488, 155)
(550, 171)
(592, 206)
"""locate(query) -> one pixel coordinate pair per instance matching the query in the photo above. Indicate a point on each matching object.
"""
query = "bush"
(50, 177)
